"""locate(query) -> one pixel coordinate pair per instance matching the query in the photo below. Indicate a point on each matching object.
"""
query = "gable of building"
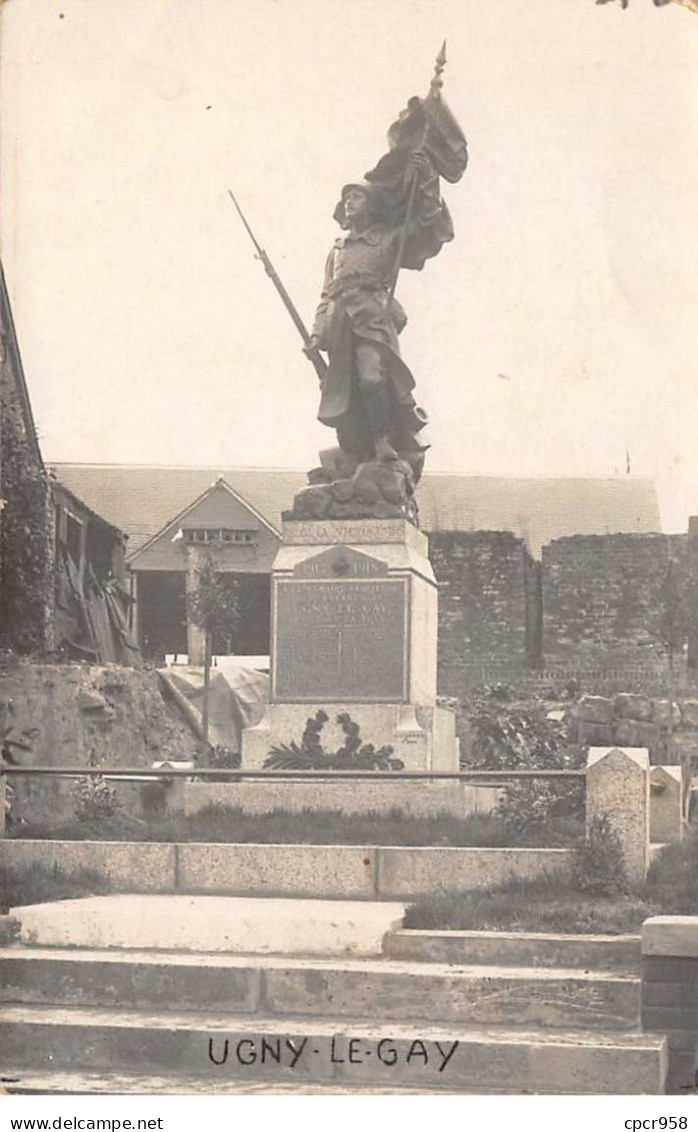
(220, 520)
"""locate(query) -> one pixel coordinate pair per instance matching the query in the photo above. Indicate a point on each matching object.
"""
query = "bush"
(220, 757)
(598, 866)
(527, 806)
(95, 799)
(672, 880)
(515, 736)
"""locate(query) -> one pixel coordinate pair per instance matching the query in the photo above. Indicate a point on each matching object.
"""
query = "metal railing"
(237, 774)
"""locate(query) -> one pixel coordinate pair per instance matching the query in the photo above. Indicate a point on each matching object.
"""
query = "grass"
(39, 884)
(546, 904)
(310, 827)
(551, 904)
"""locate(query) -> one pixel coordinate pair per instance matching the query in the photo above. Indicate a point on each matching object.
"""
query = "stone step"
(292, 1050)
(522, 949)
(212, 923)
(392, 990)
(28, 1082)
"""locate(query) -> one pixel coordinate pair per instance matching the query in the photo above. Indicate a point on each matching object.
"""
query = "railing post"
(618, 786)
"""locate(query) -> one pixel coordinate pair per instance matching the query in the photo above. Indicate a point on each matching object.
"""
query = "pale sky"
(556, 333)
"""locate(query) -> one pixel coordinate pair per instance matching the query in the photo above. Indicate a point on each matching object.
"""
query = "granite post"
(618, 786)
(666, 805)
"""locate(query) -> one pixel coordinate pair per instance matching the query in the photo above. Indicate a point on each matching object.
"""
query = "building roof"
(62, 493)
(141, 500)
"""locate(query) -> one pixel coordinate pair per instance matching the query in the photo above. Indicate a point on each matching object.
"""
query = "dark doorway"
(162, 612)
(251, 637)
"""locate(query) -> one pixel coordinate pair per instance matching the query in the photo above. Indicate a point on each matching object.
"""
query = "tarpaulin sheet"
(235, 692)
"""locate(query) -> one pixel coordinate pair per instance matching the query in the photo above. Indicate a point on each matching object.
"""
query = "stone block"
(672, 936)
(666, 813)
(685, 745)
(353, 532)
(421, 740)
(220, 1050)
(667, 715)
(212, 924)
(133, 866)
(634, 733)
(670, 992)
(681, 995)
(139, 980)
(409, 871)
(630, 705)
(618, 788)
(91, 701)
(689, 714)
(596, 709)
(354, 621)
(498, 996)
(319, 871)
(517, 949)
(668, 970)
(592, 734)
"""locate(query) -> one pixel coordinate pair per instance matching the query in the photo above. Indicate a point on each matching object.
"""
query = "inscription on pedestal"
(340, 640)
(341, 562)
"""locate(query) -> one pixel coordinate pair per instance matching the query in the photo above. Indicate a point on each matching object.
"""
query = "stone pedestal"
(354, 627)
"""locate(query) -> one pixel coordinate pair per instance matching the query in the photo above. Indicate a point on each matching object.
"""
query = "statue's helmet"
(373, 195)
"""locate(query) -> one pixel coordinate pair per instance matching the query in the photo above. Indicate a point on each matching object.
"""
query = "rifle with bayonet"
(310, 350)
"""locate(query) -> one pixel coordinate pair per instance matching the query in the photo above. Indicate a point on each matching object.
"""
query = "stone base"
(375, 491)
(423, 738)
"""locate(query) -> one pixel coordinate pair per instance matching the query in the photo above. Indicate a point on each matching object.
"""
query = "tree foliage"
(213, 603)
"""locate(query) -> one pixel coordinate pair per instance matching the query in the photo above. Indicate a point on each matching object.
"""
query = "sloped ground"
(83, 715)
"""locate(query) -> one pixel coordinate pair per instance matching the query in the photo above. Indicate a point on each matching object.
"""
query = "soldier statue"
(394, 218)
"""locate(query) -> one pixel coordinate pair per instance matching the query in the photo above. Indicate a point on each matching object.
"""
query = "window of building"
(73, 537)
(220, 534)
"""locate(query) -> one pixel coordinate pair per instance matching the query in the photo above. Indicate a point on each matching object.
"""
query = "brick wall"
(596, 604)
(613, 599)
(487, 587)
